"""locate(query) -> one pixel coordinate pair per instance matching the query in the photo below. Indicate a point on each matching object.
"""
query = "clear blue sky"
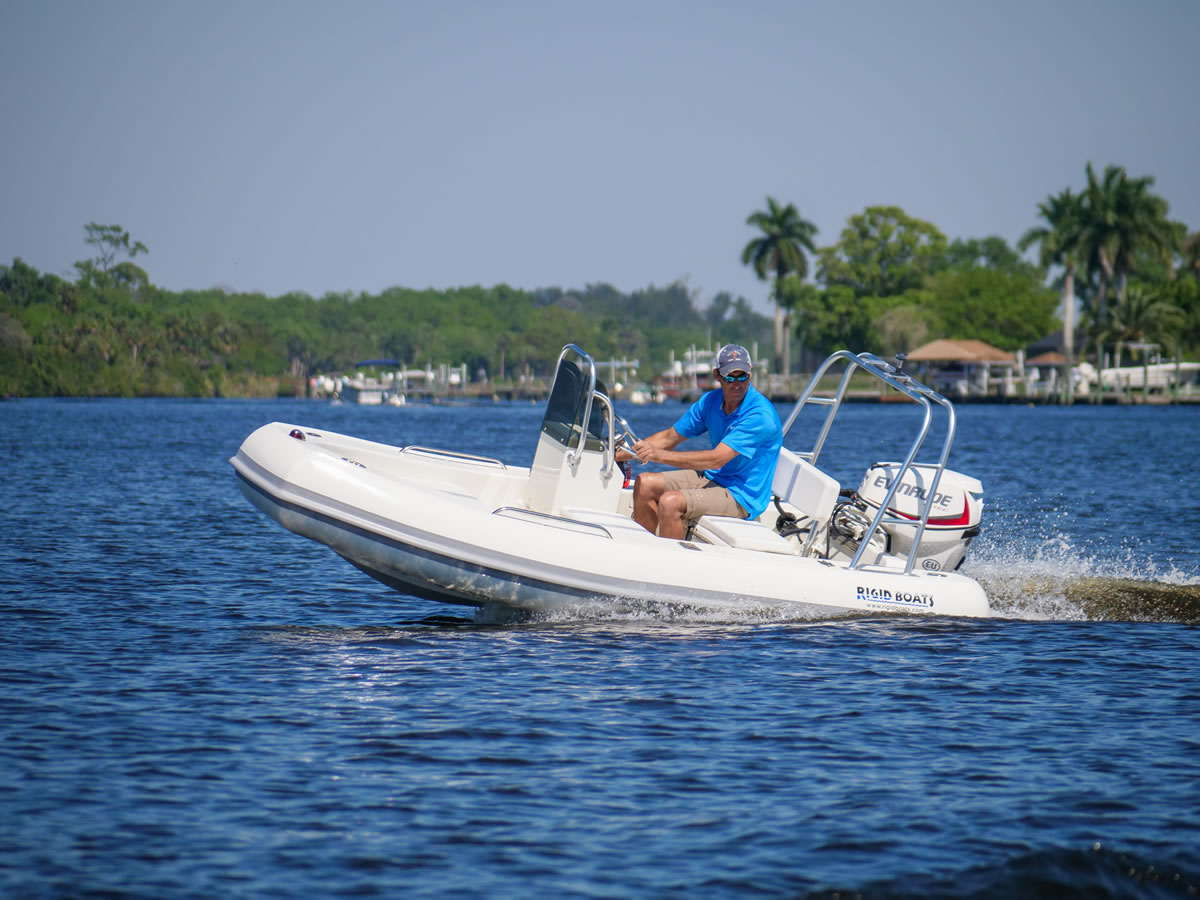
(332, 146)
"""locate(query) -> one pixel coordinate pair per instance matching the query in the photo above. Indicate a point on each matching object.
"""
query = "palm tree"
(1142, 225)
(1189, 249)
(1059, 244)
(1097, 214)
(1141, 318)
(778, 253)
(1121, 218)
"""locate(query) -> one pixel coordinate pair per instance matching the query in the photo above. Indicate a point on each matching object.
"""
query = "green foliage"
(1114, 230)
(739, 324)
(1059, 239)
(109, 336)
(892, 283)
(1006, 309)
(1189, 256)
(991, 252)
(779, 253)
(779, 250)
(1144, 314)
(1119, 219)
(104, 270)
(883, 252)
(1184, 295)
(831, 319)
(905, 327)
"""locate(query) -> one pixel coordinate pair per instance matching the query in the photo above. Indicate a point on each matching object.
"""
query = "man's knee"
(672, 504)
(648, 486)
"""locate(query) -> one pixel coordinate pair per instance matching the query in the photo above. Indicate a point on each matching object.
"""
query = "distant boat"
(641, 394)
(366, 390)
(1156, 376)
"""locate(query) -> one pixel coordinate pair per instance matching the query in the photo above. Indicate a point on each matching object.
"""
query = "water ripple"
(196, 703)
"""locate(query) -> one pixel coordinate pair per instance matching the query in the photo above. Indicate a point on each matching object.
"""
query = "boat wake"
(1049, 582)
(669, 611)
(1097, 871)
(1094, 598)
(1055, 581)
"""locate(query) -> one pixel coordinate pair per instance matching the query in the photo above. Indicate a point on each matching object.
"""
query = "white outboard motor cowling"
(957, 507)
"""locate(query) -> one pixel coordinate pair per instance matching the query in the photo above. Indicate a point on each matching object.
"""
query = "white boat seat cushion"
(743, 534)
(804, 486)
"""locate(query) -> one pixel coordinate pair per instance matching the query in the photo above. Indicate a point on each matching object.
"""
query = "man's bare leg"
(672, 506)
(647, 491)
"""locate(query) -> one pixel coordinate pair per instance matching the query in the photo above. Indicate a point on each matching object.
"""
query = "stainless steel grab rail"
(610, 448)
(575, 454)
(520, 512)
(452, 454)
(924, 396)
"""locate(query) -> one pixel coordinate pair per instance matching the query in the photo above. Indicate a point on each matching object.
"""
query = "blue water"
(196, 703)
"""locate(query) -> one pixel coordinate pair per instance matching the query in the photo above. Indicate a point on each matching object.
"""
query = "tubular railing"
(520, 512)
(926, 397)
(574, 454)
(418, 450)
(610, 449)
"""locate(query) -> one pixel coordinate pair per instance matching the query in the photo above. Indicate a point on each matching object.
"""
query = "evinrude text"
(912, 490)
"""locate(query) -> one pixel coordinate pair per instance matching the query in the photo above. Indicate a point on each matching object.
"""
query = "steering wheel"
(625, 438)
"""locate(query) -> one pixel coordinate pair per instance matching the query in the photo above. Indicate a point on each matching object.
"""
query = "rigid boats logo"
(894, 598)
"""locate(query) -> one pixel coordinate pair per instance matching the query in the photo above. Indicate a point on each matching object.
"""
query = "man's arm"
(660, 448)
(666, 439)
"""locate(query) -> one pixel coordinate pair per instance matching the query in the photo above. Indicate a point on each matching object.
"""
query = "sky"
(352, 146)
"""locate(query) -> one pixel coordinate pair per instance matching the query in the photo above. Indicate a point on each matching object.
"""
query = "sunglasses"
(732, 378)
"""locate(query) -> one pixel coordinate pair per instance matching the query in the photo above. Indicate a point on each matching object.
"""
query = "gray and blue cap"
(734, 358)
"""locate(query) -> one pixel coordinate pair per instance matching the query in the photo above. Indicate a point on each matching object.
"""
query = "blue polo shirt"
(754, 431)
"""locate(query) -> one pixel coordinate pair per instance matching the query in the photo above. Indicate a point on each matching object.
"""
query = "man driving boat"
(734, 477)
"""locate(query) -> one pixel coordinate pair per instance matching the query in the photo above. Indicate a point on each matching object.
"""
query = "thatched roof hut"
(944, 350)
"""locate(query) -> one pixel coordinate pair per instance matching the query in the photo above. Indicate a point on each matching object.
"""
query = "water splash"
(1045, 579)
(665, 612)
(1053, 578)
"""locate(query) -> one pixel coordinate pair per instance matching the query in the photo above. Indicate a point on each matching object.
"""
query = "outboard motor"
(957, 507)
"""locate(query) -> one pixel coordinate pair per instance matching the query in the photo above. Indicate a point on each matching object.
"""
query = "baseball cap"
(732, 358)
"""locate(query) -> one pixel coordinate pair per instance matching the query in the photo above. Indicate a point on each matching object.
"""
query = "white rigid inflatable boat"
(471, 530)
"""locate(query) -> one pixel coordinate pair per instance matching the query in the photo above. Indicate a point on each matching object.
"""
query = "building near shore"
(966, 368)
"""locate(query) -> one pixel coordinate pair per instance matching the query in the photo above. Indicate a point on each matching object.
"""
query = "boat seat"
(742, 534)
(804, 486)
(797, 482)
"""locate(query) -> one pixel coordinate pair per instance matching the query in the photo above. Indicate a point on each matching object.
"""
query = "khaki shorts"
(704, 497)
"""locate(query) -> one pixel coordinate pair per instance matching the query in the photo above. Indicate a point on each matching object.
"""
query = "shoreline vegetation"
(1114, 280)
(287, 387)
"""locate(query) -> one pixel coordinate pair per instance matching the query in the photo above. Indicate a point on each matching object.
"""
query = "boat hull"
(448, 530)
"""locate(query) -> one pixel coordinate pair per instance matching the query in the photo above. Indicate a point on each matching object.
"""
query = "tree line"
(111, 332)
(1122, 273)
(890, 282)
